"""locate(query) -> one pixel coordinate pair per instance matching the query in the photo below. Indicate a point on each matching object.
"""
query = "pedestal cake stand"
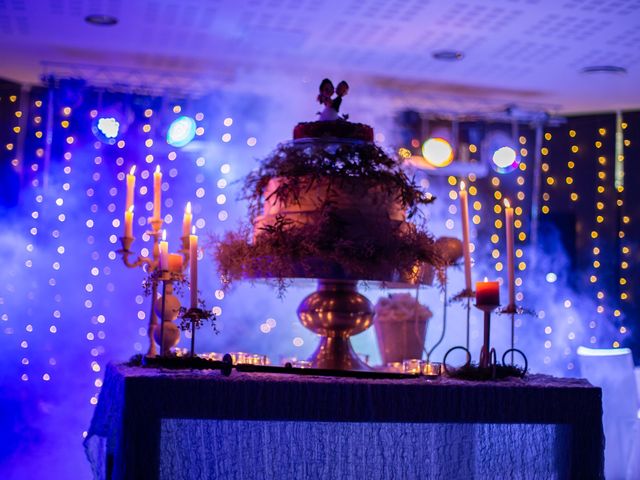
(336, 310)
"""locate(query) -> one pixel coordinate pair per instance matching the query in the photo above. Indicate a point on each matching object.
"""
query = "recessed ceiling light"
(448, 55)
(610, 69)
(101, 20)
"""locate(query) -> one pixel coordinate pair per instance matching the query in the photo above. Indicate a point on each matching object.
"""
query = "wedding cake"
(329, 202)
(339, 191)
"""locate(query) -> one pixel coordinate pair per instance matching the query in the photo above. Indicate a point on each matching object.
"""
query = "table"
(154, 423)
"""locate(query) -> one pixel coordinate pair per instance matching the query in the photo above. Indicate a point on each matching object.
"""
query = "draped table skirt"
(166, 424)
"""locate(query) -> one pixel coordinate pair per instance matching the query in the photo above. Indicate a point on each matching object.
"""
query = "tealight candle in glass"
(432, 369)
(412, 365)
(257, 359)
(301, 364)
(394, 367)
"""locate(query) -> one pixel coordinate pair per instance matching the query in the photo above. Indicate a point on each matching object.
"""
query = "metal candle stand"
(512, 311)
(444, 317)
(465, 294)
(193, 319)
(151, 265)
(488, 356)
(167, 277)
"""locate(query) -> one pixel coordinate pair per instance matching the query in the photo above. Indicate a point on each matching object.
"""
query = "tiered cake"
(351, 199)
(329, 203)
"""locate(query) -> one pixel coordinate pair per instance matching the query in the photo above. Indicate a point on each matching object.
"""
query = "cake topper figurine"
(332, 105)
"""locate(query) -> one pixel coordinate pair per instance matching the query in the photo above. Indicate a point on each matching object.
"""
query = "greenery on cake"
(326, 246)
(321, 249)
(337, 163)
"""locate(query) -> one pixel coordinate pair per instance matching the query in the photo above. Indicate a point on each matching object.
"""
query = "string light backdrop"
(69, 305)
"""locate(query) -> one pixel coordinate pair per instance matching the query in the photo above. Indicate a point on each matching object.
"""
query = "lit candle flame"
(157, 168)
(486, 279)
(131, 209)
(164, 235)
(506, 203)
(188, 207)
(193, 230)
(462, 185)
(133, 170)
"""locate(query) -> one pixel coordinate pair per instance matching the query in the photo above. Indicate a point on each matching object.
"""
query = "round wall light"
(437, 151)
(181, 131)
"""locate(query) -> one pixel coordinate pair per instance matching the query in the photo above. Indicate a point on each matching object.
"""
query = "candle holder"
(150, 264)
(444, 317)
(512, 310)
(465, 297)
(168, 307)
(487, 354)
(488, 367)
(192, 319)
(412, 365)
(431, 370)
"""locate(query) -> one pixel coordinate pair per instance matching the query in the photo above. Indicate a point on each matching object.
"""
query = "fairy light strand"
(622, 250)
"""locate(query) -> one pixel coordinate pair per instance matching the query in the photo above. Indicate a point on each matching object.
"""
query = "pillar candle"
(464, 209)
(175, 262)
(164, 252)
(487, 293)
(128, 222)
(193, 266)
(157, 192)
(131, 185)
(508, 222)
(186, 220)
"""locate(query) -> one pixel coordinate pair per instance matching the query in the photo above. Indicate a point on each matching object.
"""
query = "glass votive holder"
(257, 359)
(212, 356)
(412, 365)
(431, 369)
(285, 360)
(395, 367)
(301, 364)
(239, 357)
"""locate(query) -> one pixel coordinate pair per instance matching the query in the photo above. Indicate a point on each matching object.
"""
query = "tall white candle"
(193, 267)
(131, 185)
(186, 220)
(508, 222)
(128, 222)
(164, 252)
(157, 192)
(464, 210)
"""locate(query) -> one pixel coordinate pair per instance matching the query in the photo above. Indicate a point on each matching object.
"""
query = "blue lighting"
(504, 157)
(551, 277)
(181, 131)
(502, 150)
(106, 129)
(602, 352)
